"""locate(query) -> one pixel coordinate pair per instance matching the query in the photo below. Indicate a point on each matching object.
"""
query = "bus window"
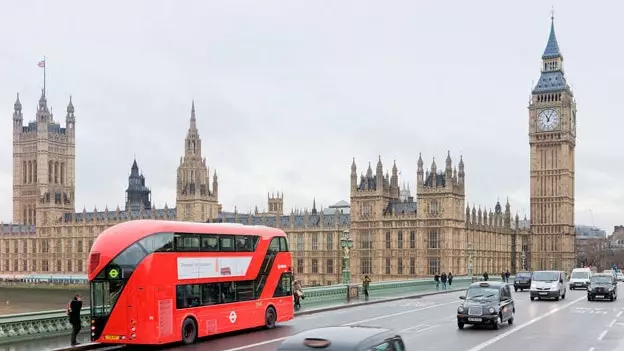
(284, 287)
(283, 243)
(244, 243)
(227, 243)
(209, 243)
(188, 296)
(186, 242)
(162, 242)
(228, 294)
(274, 246)
(244, 290)
(210, 294)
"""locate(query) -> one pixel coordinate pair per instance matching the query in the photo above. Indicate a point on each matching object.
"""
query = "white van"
(580, 277)
(548, 284)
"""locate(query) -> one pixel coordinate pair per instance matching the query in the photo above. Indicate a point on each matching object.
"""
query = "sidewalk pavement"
(60, 343)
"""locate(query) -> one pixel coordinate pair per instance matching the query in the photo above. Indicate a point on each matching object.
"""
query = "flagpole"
(44, 75)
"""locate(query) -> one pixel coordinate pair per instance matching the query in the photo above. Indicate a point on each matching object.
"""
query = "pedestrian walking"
(73, 311)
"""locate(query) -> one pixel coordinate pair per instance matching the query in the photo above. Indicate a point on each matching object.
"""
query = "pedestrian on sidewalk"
(443, 279)
(298, 294)
(365, 284)
(73, 311)
(436, 278)
(507, 274)
(503, 277)
(450, 279)
(486, 276)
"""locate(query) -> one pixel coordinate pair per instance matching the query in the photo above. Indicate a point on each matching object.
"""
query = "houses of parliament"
(395, 235)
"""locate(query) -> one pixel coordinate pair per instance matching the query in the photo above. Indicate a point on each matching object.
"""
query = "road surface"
(429, 324)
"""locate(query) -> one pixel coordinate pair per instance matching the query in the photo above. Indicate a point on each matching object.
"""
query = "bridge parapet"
(17, 327)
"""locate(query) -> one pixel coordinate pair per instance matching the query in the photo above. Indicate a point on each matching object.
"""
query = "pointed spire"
(353, 166)
(552, 47)
(18, 104)
(449, 161)
(193, 120)
(70, 106)
(420, 160)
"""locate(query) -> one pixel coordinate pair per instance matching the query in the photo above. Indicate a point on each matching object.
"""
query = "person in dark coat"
(443, 279)
(75, 306)
(450, 279)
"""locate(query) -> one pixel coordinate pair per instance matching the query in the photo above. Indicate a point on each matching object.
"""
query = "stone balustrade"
(16, 327)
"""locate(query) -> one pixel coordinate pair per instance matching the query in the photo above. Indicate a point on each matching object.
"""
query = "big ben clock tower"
(552, 139)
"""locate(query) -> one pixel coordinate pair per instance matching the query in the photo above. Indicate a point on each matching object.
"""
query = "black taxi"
(486, 303)
(344, 338)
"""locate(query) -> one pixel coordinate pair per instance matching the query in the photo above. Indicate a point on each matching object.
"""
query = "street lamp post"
(346, 243)
(470, 260)
(523, 260)
(551, 262)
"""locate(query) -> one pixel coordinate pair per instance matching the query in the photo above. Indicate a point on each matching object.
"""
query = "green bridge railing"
(16, 327)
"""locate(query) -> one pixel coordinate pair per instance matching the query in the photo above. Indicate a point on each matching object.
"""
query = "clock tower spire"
(552, 141)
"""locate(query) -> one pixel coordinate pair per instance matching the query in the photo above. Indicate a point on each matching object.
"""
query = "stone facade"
(552, 141)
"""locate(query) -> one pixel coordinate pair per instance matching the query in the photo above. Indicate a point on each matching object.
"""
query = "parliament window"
(434, 239)
(366, 265)
(315, 269)
(412, 239)
(388, 266)
(434, 266)
(400, 239)
(400, 265)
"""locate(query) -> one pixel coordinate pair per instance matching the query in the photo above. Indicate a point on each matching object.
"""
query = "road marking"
(418, 328)
(619, 314)
(612, 323)
(487, 343)
(397, 314)
(602, 335)
(592, 349)
(271, 341)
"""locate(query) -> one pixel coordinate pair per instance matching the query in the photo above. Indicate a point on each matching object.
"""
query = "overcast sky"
(288, 92)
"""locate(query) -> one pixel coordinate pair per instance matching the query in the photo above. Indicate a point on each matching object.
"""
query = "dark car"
(354, 338)
(522, 281)
(602, 286)
(486, 303)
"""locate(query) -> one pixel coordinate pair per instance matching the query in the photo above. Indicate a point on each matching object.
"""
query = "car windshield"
(546, 276)
(480, 292)
(601, 279)
(580, 275)
(523, 275)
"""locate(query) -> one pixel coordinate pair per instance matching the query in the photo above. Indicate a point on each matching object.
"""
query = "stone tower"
(138, 195)
(276, 204)
(441, 202)
(195, 201)
(552, 140)
(44, 158)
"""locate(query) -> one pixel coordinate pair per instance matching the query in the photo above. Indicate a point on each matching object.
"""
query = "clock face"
(548, 119)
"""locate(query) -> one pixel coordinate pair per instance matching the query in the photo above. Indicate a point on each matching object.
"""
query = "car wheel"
(532, 298)
(189, 331)
(270, 317)
(563, 296)
(510, 320)
(498, 322)
(460, 325)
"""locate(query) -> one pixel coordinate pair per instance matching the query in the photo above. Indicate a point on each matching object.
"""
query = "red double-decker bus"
(157, 282)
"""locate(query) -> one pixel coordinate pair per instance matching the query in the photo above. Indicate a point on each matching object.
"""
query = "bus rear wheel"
(189, 331)
(270, 317)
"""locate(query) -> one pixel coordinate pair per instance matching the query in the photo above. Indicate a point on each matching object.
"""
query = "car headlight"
(460, 309)
(492, 310)
(533, 287)
(611, 289)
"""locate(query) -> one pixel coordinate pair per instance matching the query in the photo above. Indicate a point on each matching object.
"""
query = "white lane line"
(612, 323)
(397, 314)
(602, 335)
(522, 326)
(271, 341)
(619, 314)
(592, 349)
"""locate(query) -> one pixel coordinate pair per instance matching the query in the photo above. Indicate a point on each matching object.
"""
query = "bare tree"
(594, 252)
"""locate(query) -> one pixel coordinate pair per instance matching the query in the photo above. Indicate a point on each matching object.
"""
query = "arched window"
(34, 171)
(29, 171)
(56, 173)
(50, 171)
(62, 173)
(25, 172)
(25, 215)
(30, 215)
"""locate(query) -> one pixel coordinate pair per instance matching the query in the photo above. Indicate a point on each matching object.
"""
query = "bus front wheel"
(189, 331)
(270, 317)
